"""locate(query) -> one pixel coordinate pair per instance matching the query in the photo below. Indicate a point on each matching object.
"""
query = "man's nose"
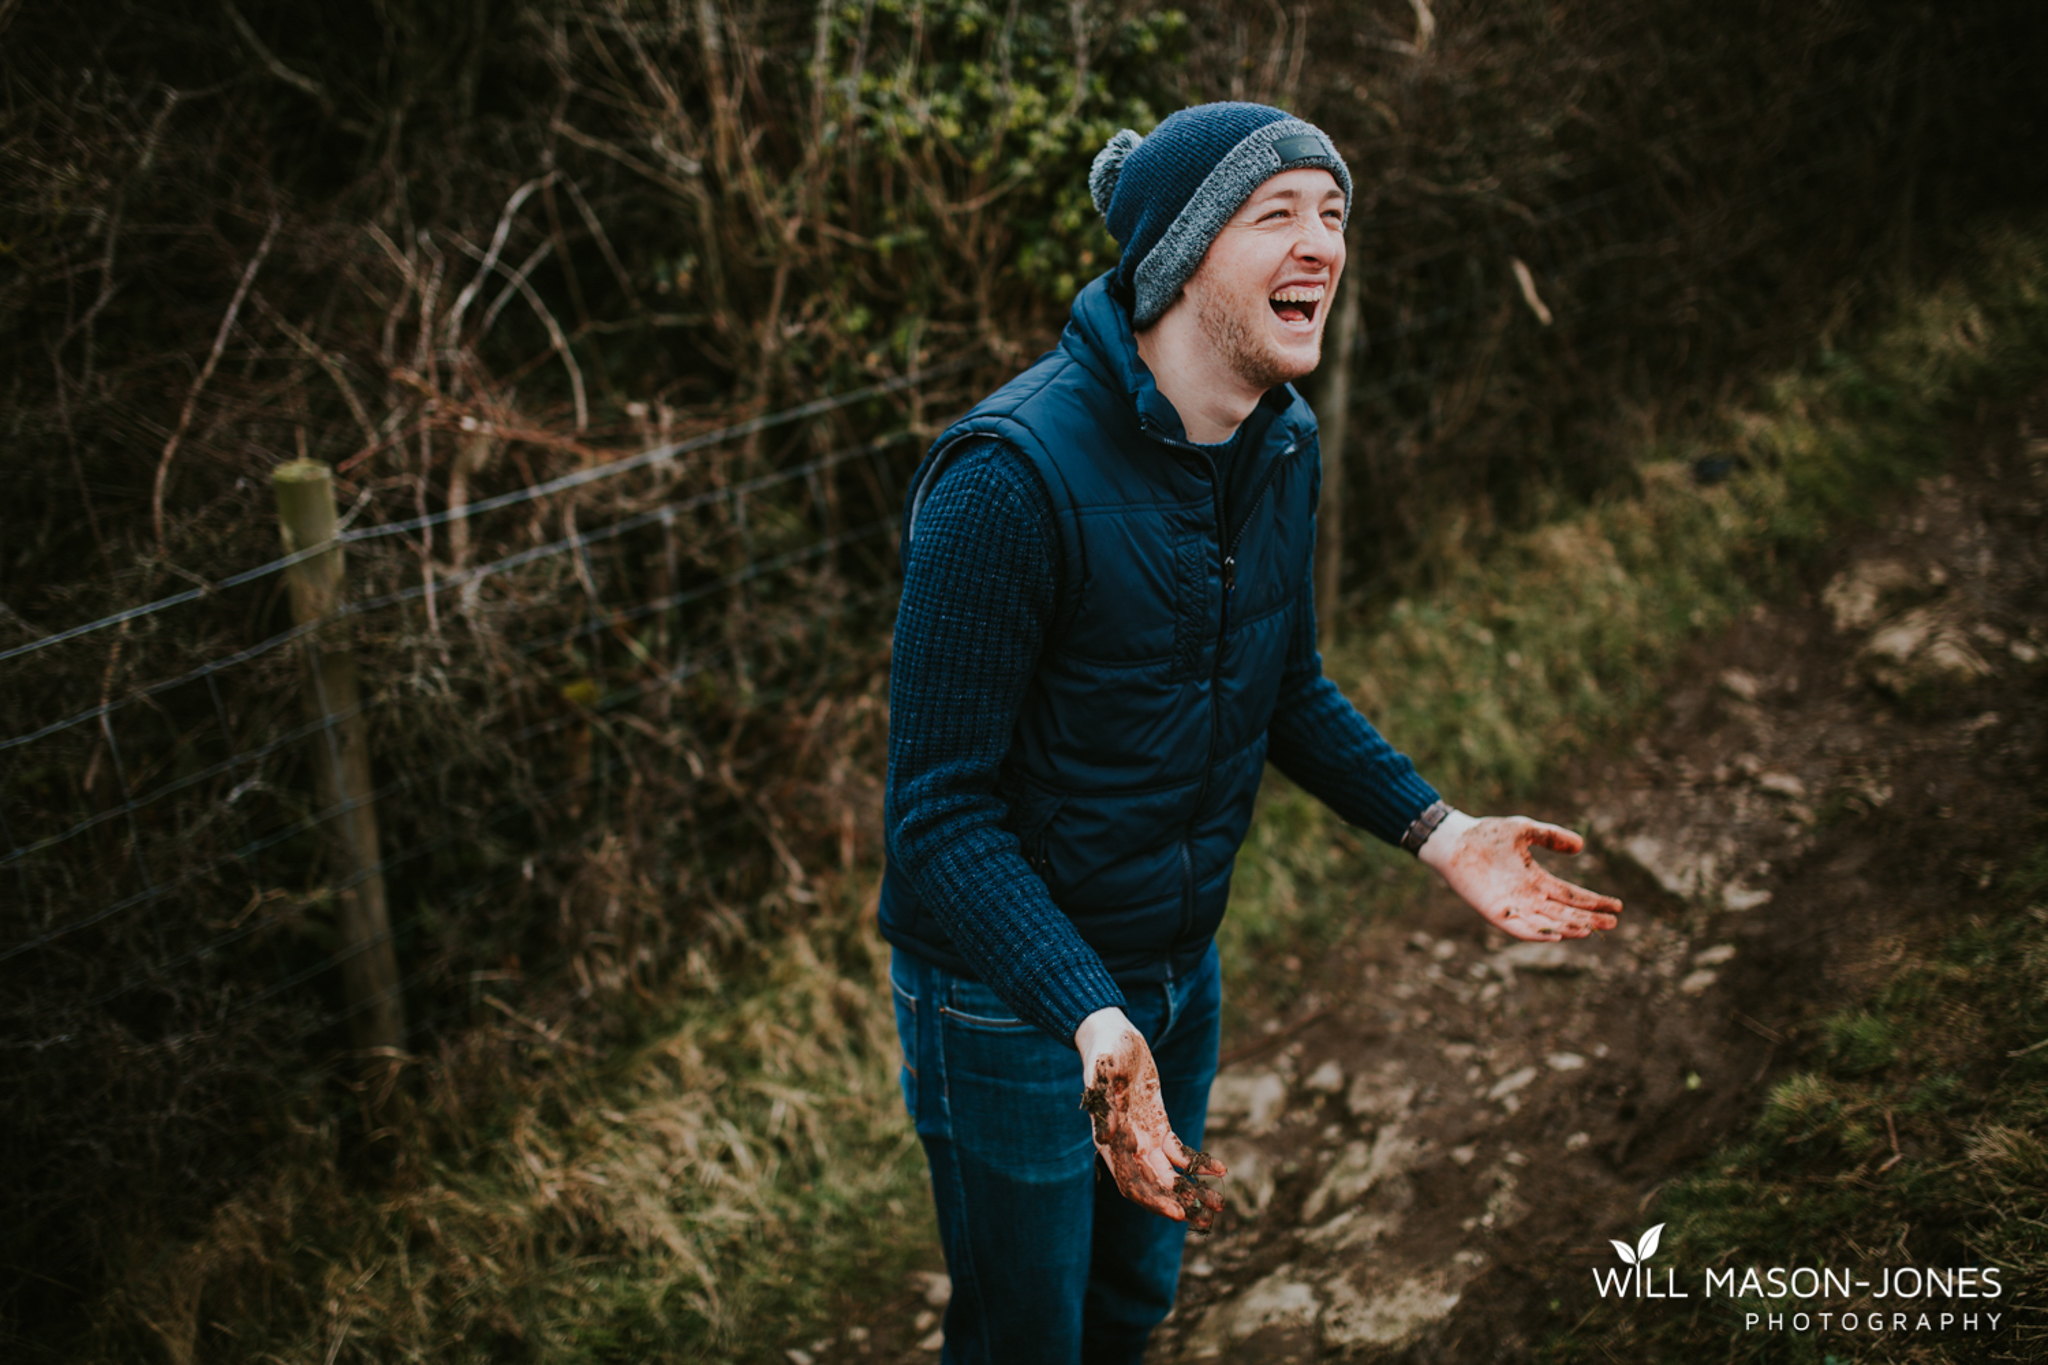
(1318, 242)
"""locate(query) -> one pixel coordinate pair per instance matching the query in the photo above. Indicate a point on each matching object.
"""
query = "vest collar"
(1100, 336)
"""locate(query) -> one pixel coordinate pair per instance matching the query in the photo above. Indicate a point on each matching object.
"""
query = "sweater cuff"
(1407, 797)
(1071, 991)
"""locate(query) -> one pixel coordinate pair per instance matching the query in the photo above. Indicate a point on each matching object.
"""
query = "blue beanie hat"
(1166, 196)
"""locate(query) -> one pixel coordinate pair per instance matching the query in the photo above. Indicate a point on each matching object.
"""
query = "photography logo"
(1806, 1299)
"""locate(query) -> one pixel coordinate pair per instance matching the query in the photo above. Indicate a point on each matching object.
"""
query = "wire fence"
(199, 874)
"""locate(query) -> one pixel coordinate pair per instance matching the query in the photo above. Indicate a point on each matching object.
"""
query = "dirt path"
(1428, 1163)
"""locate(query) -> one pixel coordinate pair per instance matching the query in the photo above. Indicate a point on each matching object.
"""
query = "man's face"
(1262, 293)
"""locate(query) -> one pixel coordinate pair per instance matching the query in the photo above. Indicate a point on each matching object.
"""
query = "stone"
(1510, 1083)
(1920, 648)
(936, 1288)
(1252, 1100)
(1564, 1061)
(1354, 1228)
(1381, 1099)
(1327, 1079)
(1854, 595)
(1737, 896)
(1782, 784)
(1682, 871)
(1537, 957)
(1282, 1299)
(1358, 1168)
(1385, 1318)
(1740, 684)
(1248, 1189)
(1714, 956)
(1697, 982)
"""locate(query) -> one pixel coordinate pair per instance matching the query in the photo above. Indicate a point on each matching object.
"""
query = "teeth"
(1311, 294)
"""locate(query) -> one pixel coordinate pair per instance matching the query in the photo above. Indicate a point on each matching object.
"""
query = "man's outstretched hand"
(1488, 863)
(1152, 1166)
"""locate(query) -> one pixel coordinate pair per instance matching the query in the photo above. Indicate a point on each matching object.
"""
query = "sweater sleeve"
(979, 595)
(1319, 739)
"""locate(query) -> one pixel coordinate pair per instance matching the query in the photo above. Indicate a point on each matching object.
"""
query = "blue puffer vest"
(1141, 742)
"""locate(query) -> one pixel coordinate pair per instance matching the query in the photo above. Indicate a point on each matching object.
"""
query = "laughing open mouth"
(1297, 303)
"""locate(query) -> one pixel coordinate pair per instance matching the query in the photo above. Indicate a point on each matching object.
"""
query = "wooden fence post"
(1333, 414)
(341, 752)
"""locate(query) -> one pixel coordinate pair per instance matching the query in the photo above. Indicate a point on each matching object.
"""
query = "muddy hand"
(1489, 863)
(1152, 1167)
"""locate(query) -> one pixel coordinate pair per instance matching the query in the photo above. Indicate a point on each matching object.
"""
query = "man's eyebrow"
(1292, 194)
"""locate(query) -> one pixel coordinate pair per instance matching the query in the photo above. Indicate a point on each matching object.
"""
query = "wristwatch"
(1424, 826)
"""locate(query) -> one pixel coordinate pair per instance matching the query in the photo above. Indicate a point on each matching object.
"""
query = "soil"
(1428, 1156)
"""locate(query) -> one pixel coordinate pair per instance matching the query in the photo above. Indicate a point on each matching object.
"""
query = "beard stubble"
(1227, 323)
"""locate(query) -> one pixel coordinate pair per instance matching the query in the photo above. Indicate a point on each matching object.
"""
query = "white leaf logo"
(1644, 1249)
(1646, 1246)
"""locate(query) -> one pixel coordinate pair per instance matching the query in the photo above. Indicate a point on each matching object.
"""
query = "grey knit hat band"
(1287, 144)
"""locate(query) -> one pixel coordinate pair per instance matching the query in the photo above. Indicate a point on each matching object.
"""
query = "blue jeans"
(1049, 1263)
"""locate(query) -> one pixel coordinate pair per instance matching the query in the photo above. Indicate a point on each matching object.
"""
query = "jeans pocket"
(970, 1004)
(906, 1034)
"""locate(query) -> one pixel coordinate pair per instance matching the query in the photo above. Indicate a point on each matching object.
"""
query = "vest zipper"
(1230, 551)
(1226, 545)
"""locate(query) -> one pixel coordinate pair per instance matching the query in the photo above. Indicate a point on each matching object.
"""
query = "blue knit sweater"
(980, 599)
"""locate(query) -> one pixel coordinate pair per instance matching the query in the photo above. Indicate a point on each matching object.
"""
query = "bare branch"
(604, 242)
(326, 361)
(556, 336)
(469, 292)
(540, 253)
(684, 188)
(220, 341)
(270, 59)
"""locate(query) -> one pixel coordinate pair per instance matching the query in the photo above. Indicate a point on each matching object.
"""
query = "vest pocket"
(1037, 844)
(1032, 808)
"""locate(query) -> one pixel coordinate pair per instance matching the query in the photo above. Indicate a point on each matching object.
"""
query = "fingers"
(1548, 921)
(1556, 838)
(1149, 1178)
(1199, 1163)
(1140, 1180)
(1578, 897)
(1530, 928)
(1199, 1204)
(1158, 1168)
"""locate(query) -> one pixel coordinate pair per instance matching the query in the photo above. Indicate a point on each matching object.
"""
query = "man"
(1106, 632)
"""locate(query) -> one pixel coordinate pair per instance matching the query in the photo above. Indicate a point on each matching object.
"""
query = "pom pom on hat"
(1108, 164)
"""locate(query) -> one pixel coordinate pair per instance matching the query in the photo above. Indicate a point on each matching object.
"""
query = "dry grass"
(675, 1201)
